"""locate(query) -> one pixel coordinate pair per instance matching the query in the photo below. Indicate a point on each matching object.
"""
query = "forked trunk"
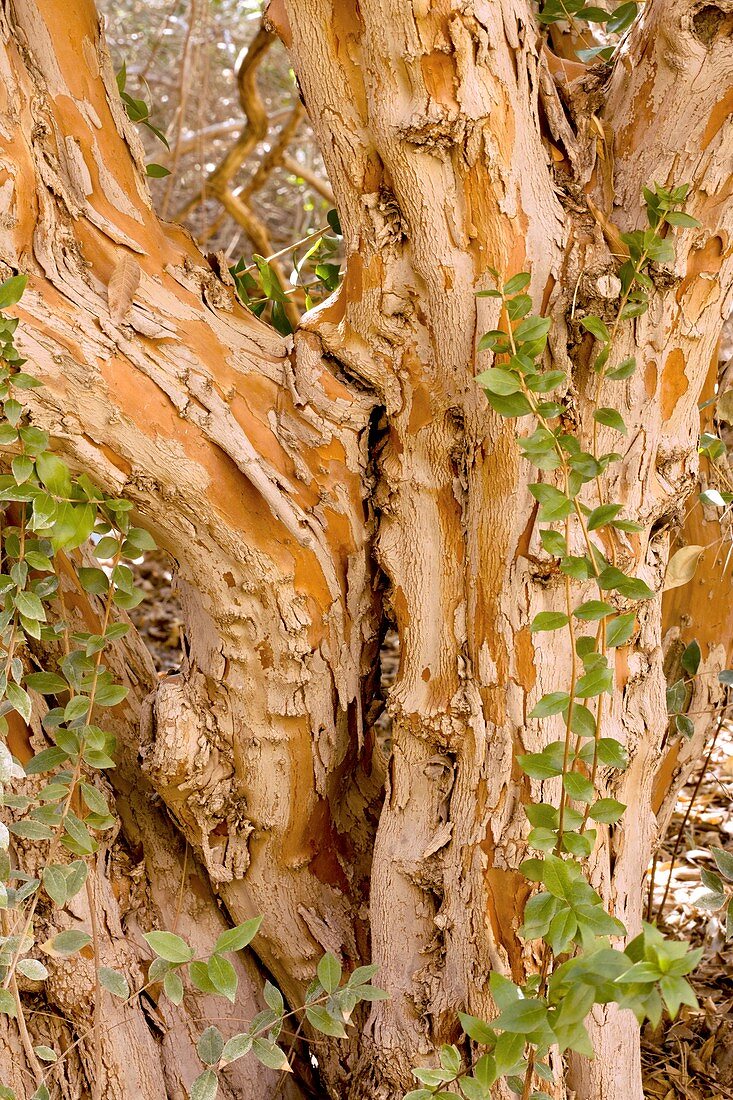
(312, 493)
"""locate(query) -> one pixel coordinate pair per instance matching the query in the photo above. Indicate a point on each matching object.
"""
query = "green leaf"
(47, 683)
(46, 1054)
(329, 972)
(596, 326)
(578, 844)
(623, 370)
(169, 946)
(476, 1029)
(594, 683)
(496, 340)
(11, 291)
(538, 914)
(210, 1045)
(30, 606)
(157, 171)
(93, 580)
(592, 610)
(620, 629)
(235, 1048)
(514, 404)
(73, 525)
(54, 474)
(223, 977)
(76, 876)
(607, 810)
(7, 1003)
(33, 969)
(54, 882)
(235, 939)
(450, 1059)
(544, 383)
(79, 833)
(274, 998)
(66, 943)
(578, 786)
(522, 1017)
(554, 505)
(612, 753)
(109, 695)
(582, 721)
(140, 539)
(675, 992)
(323, 1021)
(19, 700)
(31, 830)
(114, 982)
(173, 986)
(199, 974)
(676, 695)
(611, 418)
(205, 1087)
(94, 799)
(270, 1055)
(684, 725)
(22, 467)
(602, 515)
(691, 658)
(724, 862)
(539, 765)
(517, 283)
(554, 543)
(562, 928)
(551, 703)
(499, 381)
(534, 328)
(679, 218)
(549, 620)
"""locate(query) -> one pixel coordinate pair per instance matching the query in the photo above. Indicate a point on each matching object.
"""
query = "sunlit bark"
(284, 479)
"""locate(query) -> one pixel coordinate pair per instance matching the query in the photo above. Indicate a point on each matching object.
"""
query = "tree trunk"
(313, 491)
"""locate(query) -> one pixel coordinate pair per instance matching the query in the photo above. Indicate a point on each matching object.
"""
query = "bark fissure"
(314, 492)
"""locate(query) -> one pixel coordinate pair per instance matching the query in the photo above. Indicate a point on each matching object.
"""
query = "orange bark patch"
(18, 737)
(112, 456)
(494, 241)
(630, 137)
(675, 382)
(346, 31)
(507, 892)
(524, 653)
(351, 291)
(664, 777)
(650, 378)
(420, 413)
(695, 291)
(720, 113)
(622, 667)
(439, 74)
(323, 840)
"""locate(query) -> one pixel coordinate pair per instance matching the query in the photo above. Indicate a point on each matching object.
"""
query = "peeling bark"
(288, 479)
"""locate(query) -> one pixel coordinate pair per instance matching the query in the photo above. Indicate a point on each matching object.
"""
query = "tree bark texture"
(314, 490)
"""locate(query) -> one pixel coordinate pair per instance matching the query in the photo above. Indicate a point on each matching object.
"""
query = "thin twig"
(688, 811)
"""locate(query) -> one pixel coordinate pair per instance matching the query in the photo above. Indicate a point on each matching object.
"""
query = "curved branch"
(250, 469)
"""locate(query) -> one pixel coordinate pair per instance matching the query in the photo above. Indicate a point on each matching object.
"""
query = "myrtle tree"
(499, 170)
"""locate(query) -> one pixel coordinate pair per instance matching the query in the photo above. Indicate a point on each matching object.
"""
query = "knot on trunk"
(712, 23)
(190, 764)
